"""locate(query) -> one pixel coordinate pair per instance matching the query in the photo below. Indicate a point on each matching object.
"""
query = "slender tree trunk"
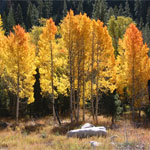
(133, 90)
(97, 86)
(73, 94)
(83, 87)
(70, 72)
(78, 91)
(71, 83)
(52, 84)
(18, 91)
(92, 78)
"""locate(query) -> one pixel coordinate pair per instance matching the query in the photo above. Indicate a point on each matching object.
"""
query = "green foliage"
(146, 33)
(80, 7)
(127, 10)
(47, 8)
(121, 10)
(34, 15)
(65, 8)
(147, 111)
(4, 99)
(10, 20)
(110, 105)
(100, 10)
(18, 16)
(40, 7)
(117, 27)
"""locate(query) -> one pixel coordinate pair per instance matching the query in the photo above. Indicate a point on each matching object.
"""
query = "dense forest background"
(28, 12)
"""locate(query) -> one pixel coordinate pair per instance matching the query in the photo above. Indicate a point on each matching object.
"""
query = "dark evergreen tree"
(110, 105)
(34, 15)
(148, 16)
(40, 7)
(116, 11)
(141, 23)
(80, 7)
(110, 13)
(18, 16)
(100, 10)
(127, 9)
(146, 33)
(4, 17)
(138, 11)
(47, 8)
(65, 8)
(10, 20)
(28, 16)
(121, 10)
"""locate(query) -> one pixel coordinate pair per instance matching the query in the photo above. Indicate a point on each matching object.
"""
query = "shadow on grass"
(139, 121)
(64, 128)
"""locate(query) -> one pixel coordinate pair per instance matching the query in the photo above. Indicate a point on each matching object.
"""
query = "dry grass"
(51, 137)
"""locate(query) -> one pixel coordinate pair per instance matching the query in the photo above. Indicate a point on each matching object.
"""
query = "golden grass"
(52, 137)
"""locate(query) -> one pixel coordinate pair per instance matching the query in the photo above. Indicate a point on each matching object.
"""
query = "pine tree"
(116, 11)
(148, 16)
(10, 20)
(28, 16)
(47, 8)
(4, 20)
(110, 13)
(127, 12)
(40, 7)
(146, 33)
(138, 10)
(141, 23)
(34, 16)
(100, 10)
(120, 11)
(65, 8)
(80, 7)
(18, 16)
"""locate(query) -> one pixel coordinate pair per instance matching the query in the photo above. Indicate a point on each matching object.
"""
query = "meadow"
(44, 134)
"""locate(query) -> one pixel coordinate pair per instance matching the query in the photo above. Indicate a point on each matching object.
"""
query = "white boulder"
(87, 125)
(87, 132)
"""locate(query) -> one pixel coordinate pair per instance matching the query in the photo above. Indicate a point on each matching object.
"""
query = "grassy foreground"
(44, 135)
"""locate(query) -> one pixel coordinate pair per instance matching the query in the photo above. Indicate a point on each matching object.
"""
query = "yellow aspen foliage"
(2, 46)
(35, 36)
(46, 44)
(61, 65)
(105, 59)
(20, 67)
(133, 66)
(1, 24)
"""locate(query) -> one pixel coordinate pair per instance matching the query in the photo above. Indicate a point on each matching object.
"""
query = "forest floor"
(43, 134)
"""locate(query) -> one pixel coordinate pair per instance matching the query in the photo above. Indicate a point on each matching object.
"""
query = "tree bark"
(73, 94)
(18, 90)
(133, 89)
(92, 78)
(97, 86)
(52, 84)
(78, 90)
(83, 87)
